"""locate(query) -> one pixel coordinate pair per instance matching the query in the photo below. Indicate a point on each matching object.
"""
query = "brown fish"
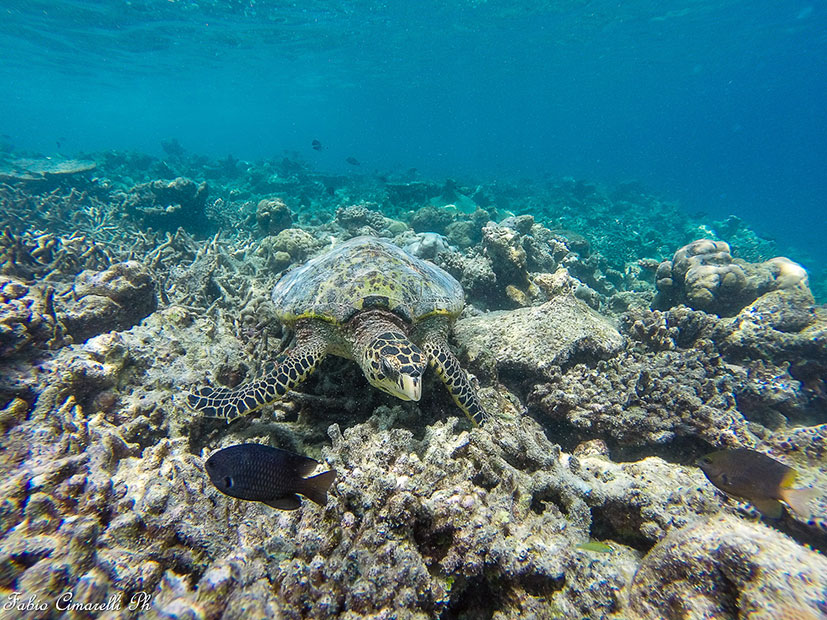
(758, 478)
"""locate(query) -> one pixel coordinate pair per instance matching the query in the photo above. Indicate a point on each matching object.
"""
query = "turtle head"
(395, 365)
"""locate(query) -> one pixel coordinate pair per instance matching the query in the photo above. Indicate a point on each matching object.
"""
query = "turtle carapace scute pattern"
(366, 300)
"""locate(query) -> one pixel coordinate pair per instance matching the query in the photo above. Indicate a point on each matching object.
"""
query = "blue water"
(720, 105)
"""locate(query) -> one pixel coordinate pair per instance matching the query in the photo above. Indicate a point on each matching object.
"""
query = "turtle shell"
(365, 273)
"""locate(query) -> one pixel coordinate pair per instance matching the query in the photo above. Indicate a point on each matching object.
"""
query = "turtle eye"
(387, 368)
(228, 482)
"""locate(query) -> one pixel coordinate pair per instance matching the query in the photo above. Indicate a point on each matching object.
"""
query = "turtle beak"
(410, 387)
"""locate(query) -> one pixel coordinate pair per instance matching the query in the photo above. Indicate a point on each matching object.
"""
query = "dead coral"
(525, 255)
(61, 210)
(476, 275)
(39, 169)
(427, 245)
(273, 216)
(649, 398)
(637, 503)
(103, 484)
(167, 205)
(27, 317)
(773, 351)
(504, 249)
(297, 244)
(47, 256)
(360, 219)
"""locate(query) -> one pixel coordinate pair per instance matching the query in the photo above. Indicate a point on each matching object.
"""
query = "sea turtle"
(366, 300)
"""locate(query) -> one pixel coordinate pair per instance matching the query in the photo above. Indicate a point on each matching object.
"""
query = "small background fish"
(276, 477)
(758, 478)
(595, 546)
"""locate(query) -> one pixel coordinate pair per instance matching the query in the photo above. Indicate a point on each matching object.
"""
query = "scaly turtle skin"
(365, 300)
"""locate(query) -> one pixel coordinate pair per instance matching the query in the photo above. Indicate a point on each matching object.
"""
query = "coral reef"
(693, 375)
(432, 219)
(474, 272)
(508, 257)
(414, 526)
(118, 291)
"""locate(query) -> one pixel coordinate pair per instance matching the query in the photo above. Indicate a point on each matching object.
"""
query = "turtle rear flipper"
(229, 403)
(446, 365)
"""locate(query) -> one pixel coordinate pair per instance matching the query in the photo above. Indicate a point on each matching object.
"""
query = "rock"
(704, 276)
(768, 394)
(475, 274)
(464, 233)
(782, 325)
(114, 299)
(395, 227)
(784, 310)
(637, 503)
(533, 342)
(724, 567)
(427, 245)
(561, 282)
(13, 412)
(519, 297)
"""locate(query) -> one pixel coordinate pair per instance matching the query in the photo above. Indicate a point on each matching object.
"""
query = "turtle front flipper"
(291, 369)
(453, 376)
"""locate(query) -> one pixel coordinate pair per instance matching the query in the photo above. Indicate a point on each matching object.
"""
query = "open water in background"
(721, 104)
